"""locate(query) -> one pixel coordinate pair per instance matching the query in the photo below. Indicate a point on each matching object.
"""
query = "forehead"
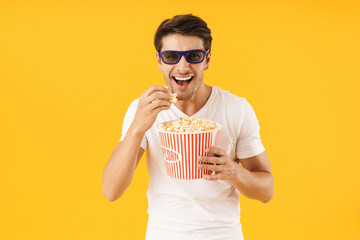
(181, 42)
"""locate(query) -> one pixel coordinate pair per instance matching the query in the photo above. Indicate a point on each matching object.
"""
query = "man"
(205, 208)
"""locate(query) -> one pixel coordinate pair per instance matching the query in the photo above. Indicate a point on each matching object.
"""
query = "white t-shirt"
(198, 209)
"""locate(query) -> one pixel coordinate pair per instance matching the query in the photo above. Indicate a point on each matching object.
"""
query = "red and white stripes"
(181, 151)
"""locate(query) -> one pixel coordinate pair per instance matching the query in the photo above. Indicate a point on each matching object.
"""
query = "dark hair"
(186, 25)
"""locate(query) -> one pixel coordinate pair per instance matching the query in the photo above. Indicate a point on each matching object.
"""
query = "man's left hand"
(219, 162)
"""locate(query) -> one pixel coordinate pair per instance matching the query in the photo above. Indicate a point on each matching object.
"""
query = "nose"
(182, 66)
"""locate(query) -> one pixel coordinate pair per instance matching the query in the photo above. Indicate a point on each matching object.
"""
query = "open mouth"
(183, 81)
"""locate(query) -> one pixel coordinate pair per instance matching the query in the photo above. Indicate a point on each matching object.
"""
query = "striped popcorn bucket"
(181, 151)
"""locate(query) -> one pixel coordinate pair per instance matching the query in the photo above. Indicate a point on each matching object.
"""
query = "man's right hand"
(120, 168)
(154, 100)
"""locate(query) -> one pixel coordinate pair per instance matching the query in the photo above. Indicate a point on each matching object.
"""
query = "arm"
(120, 168)
(253, 179)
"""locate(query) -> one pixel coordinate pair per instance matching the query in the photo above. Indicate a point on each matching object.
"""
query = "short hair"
(188, 25)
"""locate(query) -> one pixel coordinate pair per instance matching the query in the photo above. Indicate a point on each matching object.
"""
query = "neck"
(196, 102)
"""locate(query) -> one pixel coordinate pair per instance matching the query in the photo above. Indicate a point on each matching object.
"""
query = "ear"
(158, 59)
(207, 61)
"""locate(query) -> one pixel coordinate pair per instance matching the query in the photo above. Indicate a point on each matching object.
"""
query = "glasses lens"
(170, 57)
(195, 56)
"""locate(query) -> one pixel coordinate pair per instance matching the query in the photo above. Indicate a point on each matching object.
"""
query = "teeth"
(182, 78)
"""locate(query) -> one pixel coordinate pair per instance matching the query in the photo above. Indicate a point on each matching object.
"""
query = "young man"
(206, 208)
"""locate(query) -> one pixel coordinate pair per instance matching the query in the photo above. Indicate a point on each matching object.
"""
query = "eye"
(171, 56)
(195, 56)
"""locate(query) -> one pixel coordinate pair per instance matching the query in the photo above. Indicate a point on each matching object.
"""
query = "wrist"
(239, 175)
(136, 131)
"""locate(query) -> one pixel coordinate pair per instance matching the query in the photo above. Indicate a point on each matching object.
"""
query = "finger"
(214, 160)
(159, 109)
(213, 177)
(155, 88)
(153, 108)
(159, 103)
(158, 96)
(211, 167)
(216, 151)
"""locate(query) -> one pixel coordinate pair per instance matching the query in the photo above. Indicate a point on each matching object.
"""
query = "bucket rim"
(218, 128)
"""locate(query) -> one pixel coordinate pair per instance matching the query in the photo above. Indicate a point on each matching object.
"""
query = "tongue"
(182, 83)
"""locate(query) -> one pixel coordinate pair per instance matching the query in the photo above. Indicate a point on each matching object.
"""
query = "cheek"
(166, 75)
(201, 68)
(200, 71)
(166, 69)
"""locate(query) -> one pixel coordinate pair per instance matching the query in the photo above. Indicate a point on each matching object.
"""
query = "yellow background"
(69, 70)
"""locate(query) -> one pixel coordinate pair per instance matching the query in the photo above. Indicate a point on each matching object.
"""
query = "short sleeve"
(249, 143)
(128, 119)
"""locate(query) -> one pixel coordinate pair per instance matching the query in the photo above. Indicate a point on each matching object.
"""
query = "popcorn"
(173, 98)
(188, 125)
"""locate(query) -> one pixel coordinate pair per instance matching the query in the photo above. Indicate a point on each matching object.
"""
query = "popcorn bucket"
(181, 151)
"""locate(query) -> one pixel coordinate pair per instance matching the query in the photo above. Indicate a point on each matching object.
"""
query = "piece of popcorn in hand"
(173, 98)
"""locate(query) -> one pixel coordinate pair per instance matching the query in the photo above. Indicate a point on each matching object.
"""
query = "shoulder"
(135, 102)
(133, 105)
(229, 98)
(131, 110)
